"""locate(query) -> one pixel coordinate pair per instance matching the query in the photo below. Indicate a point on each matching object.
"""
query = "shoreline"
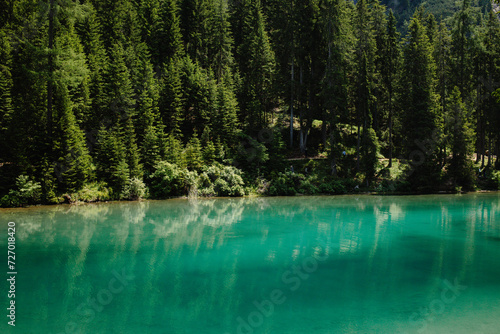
(365, 193)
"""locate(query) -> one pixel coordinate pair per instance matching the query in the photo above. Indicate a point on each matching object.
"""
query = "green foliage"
(251, 154)
(75, 161)
(111, 159)
(285, 184)
(193, 153)
(27, 192)
(167, 180)
(173, 151)
(219, 180)
(134, 189)
(461, 168)
(95, 95)
(93, 192)
(493, 181)
(370, 149)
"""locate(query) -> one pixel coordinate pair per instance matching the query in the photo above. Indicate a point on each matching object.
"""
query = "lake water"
(345, 264)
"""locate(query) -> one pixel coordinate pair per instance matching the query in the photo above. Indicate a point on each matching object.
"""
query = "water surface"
(344, 264)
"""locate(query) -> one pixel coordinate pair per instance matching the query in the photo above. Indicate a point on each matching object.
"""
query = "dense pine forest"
(127, 99)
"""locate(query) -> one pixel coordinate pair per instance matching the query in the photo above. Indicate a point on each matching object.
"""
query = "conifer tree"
(226, 118)
(120, 94)
(462, 45)
(195, 17)
(338, 38)
(111, 159)
(256, 65)
(173, 151)
(462, 136)
(5, 92)
(221, 42)
(193, 154)
(365, 71)
(171, 99)
(208, 147)
(389, 71)
(166, 36)
(419, 117)
(131, 150)
(199, 88)
(69, 144)
(96, 60)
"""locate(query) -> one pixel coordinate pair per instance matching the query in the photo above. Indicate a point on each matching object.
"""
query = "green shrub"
(308, 187)
(224, 180)
(167, 180)
(333, 187)
(27, 192)
(134, 189)
(191, 179)
(493, 181)
(285, 184)
(93, 192)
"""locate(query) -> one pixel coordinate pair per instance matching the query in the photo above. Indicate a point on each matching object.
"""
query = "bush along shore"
(301, 177)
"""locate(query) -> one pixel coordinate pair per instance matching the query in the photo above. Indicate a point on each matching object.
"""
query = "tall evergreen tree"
(171, 97)
(221, 41)
(389, 71)
(365, 72)
(462, 142)
(256, 65)
(5, 93)
(419, 116)
(195, 18)
(119, 90)
(166, 34)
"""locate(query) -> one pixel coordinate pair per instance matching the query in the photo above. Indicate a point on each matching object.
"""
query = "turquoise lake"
(342, 264)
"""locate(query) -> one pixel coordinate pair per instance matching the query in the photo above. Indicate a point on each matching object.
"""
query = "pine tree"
(256, 60)
(194, 158)
(379, 26)
(147, 125)
(111, 159)
(226, 118)
(195, 17)
(220, 43)
(365, 71)
(5, 93)
(443, 68)
(208, 147)
(97, 61)
(489, 116)
(419, 109)
(389, 71)
(199, 88)
(166, 36)
(462, 44)
(69, 144)
(119, 91)
(174, 151)
(338, 38)
(458, 125)
(171, 99)
(131, 150)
